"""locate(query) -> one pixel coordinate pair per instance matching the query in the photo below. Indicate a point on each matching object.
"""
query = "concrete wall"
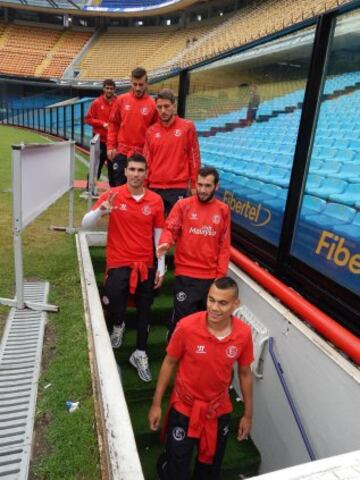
(325, 387)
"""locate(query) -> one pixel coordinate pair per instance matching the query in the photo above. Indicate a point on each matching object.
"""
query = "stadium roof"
(105, 7)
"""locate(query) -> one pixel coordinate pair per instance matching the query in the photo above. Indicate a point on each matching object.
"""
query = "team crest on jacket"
(216, 219)
(144, 110)
(231, 351)
(181, 296)
(177, 132)
(178, 434)
(146, 210)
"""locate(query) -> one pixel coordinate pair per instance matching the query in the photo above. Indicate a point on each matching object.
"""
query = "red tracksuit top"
(129, 120)
(173, 154)
(98, 114)
(201, 232)
(204, 374)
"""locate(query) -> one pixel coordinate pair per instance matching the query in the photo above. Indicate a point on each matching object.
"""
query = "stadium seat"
(352, 229)
(349, 172)
(332, 215)
(328, 186)
(350, 196)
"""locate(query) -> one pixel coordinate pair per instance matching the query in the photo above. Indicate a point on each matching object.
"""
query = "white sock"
(140, 352)
(117, 328)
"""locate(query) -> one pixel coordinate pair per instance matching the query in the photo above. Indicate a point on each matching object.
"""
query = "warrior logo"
(216, 219)
(231, 351)
(127, 107)
(181, 297)
(200, 349)
(178, 434)
(157, 135)
(144, 110)
(146, 210)
(122, 206)
(177, 133)
(193, 216)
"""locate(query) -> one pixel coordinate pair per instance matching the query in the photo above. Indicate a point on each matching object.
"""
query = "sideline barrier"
(32, 196)
(324, 324)
(118, 451)
(93, 167)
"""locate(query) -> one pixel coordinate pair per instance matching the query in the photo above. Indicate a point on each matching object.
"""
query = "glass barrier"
(247, 111)
(327, 235)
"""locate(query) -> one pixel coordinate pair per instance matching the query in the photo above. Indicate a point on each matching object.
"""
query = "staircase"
(240, 458)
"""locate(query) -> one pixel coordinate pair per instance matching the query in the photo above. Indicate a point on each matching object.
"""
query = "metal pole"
(82, 124)
(17, 225)
(93, 166)
(70, 228)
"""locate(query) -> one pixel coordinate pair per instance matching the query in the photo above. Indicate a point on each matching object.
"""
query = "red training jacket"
(173, 154)
(201, 232)
(204, 374)
(129, 120)
(99, 114)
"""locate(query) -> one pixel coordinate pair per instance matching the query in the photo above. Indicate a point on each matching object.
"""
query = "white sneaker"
(141, 362)
(117, 335)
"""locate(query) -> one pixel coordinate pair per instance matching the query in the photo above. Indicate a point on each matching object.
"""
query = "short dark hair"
(110, 82)
(136, 157)
(166, 94)
(225, 283)
(205, 171)
(139, 72)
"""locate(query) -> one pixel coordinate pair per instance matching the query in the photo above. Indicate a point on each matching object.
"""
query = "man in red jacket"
(204, 348)
(98, 117)
(172, 152)
(199, 226)
(136, 217)
(131, 116)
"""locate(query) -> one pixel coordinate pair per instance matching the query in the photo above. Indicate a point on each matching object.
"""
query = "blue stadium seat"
(328, 187)
(349, 172)
(350, 196)
(350, 230)
(279, 176)
(268, 192)
(278, 204)
(312, 205)
(333, 214)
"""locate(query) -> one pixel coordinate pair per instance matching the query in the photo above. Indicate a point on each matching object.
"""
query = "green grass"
(67, 447)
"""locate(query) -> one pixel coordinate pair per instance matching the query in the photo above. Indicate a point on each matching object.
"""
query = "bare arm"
(245, 378)
(166, 371)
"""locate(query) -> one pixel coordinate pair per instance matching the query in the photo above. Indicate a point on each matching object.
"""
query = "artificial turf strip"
(67, 448)
(240, 457)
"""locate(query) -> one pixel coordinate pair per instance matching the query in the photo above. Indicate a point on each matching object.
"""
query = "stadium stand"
(255, 161)
(69, 45)
(37, 51)
(149, 49)
(254, 21)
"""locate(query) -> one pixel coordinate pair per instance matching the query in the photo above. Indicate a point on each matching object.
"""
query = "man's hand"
(105, 125)
(111, 154)
(244, 428)
(158, 280)
(154, 417)
(162, 249)
(106, 206)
